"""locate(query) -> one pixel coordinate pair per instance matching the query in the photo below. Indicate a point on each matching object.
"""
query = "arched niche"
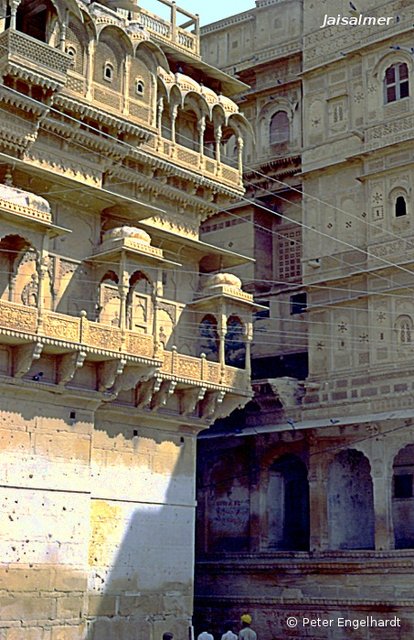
(403, 498)
(18, 268)
(234, 345)
(288, 504)
(139, 305)
(351, 520)
(109, 305)
(208, 338)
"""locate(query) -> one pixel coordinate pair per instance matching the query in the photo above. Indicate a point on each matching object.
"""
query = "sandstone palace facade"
(121, 333)
(306, 498)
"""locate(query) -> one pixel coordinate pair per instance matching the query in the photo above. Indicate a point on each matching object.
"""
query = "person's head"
(246, 619)
(167, 635)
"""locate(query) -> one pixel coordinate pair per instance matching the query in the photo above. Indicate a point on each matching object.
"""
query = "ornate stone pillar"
(12, 286)
(174, 114)
(160, 110)
(123, 289)
(41, 268)
(381, 470)
(63, 29)
(125, 83)
(90, 70)
(217, 138)
(240, 145)
(249, 338)
(173, 20)
(13, 12)
(318, 497)
(201, 131)
(222, 330)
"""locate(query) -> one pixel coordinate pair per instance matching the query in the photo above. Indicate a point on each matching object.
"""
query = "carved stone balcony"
(125, 360)
(399, 129)
(169, 32)
(194, 161)
(28, 59)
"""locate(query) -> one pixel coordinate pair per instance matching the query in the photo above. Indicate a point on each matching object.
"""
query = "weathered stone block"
(101, 605)
(67, 633)
(69, 580)
(63, 445)
(14, 440)
(26, 579)
(19, 633)
(69, 607)
(33, 607)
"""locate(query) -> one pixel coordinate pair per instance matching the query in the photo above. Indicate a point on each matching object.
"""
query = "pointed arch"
(350, 502)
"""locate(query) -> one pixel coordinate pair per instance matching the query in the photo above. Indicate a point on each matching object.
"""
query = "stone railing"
(26, 52)
(166, 31)
(25, 211)
(78, 333)
(194, 161)
(203, 370)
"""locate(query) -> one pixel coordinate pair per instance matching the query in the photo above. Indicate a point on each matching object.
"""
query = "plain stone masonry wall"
(96, 524)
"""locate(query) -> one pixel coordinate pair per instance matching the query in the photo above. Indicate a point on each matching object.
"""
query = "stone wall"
(97, 525)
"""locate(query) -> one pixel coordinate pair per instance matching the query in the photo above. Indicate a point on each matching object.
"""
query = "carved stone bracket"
(160, 397)
(131, 376)
(210, 404)
(68, 366)
(229, 404)
(144, 393)
(189, 399)
(109, 372)
(24, 356)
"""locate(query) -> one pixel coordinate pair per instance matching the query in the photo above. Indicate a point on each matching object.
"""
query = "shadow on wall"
(141, 539)
(137, 492)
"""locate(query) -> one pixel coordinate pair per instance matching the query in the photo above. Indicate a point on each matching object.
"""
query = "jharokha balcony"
(106, 350)
(124, 361)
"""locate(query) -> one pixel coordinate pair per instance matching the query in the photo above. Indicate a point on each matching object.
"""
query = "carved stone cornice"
(158, 187)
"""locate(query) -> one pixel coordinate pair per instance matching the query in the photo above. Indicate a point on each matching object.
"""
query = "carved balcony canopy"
(28, 209)
(224, 288)
(130, 242)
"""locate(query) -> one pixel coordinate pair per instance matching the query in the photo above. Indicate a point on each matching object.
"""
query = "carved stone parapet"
(33, 60)
(69, 364)
(24, 356)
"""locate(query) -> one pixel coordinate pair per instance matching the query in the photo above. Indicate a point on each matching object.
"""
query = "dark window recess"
(263, 313)
(279, 128)
(403, 486)
(298, 303)
(294, 365)
(400, 207)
